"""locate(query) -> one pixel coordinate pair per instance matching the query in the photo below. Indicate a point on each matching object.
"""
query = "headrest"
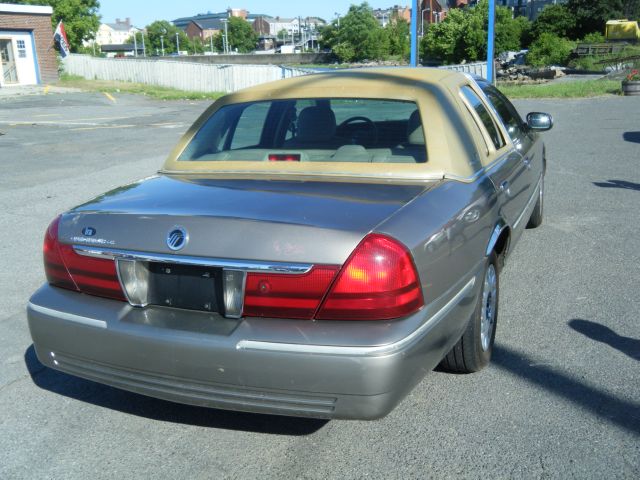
(415, 132)
(316, 124)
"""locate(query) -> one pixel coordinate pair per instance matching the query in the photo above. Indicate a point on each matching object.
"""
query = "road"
(560, 400)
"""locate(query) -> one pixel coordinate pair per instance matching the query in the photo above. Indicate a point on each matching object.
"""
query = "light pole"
(177, 44)
(162, 44)
(144, 48)
(135, 44)
(422, 20)
(225, 44)
(337, 15)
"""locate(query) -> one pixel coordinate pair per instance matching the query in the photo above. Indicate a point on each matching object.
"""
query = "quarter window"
(485, 117)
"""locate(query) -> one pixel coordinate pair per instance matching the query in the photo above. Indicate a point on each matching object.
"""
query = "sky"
(143, 13)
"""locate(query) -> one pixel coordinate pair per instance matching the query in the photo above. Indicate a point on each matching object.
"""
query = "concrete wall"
(40, 25)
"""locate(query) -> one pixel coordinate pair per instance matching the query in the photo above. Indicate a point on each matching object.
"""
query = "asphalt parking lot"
(560, 400)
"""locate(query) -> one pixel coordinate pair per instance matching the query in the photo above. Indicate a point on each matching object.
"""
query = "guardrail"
(180, 75)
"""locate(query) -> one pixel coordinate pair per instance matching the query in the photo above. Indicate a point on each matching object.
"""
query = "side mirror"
(539, 122)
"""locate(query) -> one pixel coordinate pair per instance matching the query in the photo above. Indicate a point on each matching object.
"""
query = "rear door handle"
(527, 162)
(504, 187)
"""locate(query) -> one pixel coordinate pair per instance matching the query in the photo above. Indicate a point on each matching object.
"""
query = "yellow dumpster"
(622, 30)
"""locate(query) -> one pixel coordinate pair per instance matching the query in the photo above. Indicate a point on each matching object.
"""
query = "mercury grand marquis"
(311, 247)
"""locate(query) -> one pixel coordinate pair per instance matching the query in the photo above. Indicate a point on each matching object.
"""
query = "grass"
(161, 93)
(575, 89)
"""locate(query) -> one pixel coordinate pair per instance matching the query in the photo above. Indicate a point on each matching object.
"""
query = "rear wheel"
(473, 350)
(536, 216)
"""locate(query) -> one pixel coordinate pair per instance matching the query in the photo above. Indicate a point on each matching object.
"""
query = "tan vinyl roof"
(452, 144)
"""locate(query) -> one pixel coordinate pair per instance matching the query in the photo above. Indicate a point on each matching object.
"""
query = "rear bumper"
(356, 370)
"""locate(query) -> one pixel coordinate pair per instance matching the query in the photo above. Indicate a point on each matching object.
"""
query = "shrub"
(593, 37)
(549, 49)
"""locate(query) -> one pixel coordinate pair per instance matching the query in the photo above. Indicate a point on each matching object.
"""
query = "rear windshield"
(312, 130)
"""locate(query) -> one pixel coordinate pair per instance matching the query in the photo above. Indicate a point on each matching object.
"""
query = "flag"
(60, 37)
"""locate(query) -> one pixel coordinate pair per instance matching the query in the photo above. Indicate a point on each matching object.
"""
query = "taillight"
(379, 281)
(54, 267)
(287, 296)
(65, 268)
(95, 276)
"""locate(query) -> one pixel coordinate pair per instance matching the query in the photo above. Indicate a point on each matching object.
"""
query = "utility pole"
(414, 33)
(162, 44)
(135, 44)
(177, 44)
(490, 41)
(144, 49)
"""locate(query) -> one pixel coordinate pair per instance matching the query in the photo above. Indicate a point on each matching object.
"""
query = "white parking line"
(97, 127)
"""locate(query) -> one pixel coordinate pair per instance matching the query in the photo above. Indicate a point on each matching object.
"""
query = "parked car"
(311, 247)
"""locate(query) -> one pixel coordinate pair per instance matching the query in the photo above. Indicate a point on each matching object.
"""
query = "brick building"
(27, 54)
(203, 29)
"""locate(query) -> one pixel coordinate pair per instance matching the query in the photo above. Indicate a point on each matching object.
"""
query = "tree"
(443, 41)
(399, 37)
(555, 19)
(524, 26)
(358, 37)
(161, 33)
(80, 18)
(463, 34)
(550, 49)
(242, 37)
(592, 15)
(282, 34)
(631, 9)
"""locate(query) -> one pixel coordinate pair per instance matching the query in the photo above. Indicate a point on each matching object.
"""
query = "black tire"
(536, 216)
(473, 351)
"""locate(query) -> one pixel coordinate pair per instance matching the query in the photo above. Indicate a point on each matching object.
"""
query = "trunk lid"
(286, 221)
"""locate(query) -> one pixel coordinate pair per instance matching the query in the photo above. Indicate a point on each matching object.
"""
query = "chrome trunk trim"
(227, 264)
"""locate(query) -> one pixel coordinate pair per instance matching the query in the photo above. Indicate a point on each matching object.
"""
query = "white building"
(294, 25)
(27, 56)
(115, 33)
(277, 24)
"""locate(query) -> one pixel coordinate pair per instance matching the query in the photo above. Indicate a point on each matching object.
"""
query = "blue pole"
(490, 41)
(414, 33)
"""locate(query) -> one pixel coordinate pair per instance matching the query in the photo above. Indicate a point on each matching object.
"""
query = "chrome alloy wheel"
(488, 313)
